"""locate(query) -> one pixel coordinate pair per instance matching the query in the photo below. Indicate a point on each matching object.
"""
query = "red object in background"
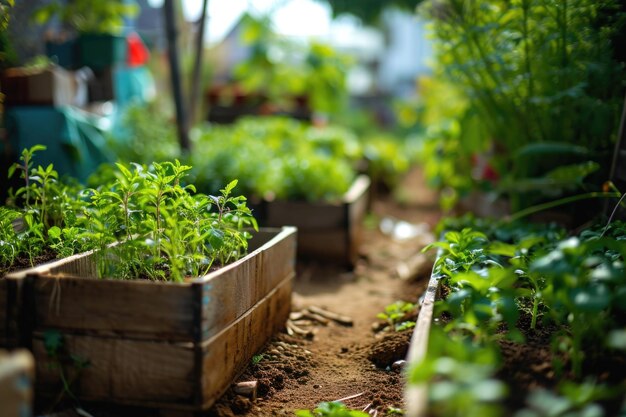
(137, 52)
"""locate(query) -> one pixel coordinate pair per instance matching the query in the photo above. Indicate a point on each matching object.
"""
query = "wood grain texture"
(148, 310)
(416, 395)
(156, 344)
(227, 354)
(118, 370)
(188, 376)
(331, 231)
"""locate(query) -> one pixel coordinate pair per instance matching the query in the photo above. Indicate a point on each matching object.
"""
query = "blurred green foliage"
(88, 16)
(277, 157)
(283, 69)
(514, 74)
(144, 134)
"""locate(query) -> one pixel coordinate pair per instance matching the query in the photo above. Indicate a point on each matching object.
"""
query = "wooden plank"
(305, 215)
(416, 395)
(356, 211)
(3, 312)
(331, 231)
(142, 309)
(227, 354)
(119, 370)
(329, 245)
(161, 374)
(16, 384)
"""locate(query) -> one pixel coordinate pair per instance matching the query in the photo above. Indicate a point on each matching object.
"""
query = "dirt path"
(296, 372)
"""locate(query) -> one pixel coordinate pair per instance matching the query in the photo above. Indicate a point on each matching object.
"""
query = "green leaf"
(617, 339)
(54, 232)
(591, 299)
(53, 340)
(500, 248)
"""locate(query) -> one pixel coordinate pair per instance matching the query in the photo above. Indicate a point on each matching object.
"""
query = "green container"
(99, 51)
(63, 53)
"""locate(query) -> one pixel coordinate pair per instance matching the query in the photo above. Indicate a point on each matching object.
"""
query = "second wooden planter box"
(156, 344)
(328, 231)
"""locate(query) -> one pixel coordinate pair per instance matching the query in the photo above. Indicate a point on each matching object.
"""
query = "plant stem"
(562, 201)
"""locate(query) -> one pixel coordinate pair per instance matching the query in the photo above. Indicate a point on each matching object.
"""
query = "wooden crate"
(17, 370)
(325, 231)
(156, 344)
(52, 86)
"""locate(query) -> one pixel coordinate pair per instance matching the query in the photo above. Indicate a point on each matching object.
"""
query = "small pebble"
(398, 365)
(274, 352)
(316, 386)
(279, 347)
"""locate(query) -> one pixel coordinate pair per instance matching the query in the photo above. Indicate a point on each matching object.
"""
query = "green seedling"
(331, 409)
(395, 315)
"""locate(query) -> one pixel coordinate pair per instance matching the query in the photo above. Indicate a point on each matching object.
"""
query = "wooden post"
(172, 49)
(196, 84)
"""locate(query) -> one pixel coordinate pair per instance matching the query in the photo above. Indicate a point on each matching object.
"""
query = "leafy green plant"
(573, 400)
(460, 372)
(316, 71)
(143, 137)
(88, 16)
(45, 210)
(395, 315)
(584, 284)
(162, 229)
(9, 249)
(331, 409)
(276, 158)
(572, 285)
(526, 70)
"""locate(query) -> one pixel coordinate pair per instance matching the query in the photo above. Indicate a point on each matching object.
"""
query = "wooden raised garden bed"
(156, 344)
(328, 231)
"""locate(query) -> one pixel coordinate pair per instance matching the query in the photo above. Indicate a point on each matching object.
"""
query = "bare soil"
(354, 363)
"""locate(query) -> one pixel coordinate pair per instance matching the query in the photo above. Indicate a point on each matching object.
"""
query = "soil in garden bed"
(531, 365)
(24, 262)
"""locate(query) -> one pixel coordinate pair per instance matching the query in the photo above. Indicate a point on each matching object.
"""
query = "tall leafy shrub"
(542, 83)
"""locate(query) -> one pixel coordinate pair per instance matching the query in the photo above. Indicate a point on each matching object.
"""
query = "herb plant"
(162, 229)
(144, 221)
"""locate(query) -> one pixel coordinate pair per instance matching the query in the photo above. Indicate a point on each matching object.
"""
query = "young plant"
(395, 315)
(164, 231)
(331, 409)
(460, 373)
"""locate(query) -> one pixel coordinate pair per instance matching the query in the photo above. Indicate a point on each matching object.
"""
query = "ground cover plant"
(534, 289)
